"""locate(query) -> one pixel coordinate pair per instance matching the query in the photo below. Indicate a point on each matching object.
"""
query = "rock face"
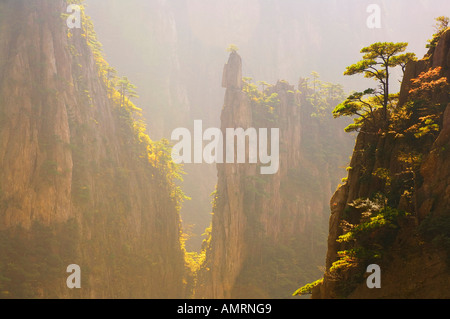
(171, 87)
(232, 72)
(266, 229)
(75, 186)
(415, 265)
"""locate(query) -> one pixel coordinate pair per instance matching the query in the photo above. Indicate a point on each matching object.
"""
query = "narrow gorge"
(267, 230)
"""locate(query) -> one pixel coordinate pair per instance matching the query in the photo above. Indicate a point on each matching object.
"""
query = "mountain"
(174, 50)
(81, 183)
(393, 211)
(268, 231)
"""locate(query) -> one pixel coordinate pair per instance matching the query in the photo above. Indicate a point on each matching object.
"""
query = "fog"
(174, 51)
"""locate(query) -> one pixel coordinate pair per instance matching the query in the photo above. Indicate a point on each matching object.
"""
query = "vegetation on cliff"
(277, 221)
(119, 212)
(378, 61)
(382, 205)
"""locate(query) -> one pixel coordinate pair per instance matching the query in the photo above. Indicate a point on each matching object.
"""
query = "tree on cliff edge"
(442, 24)
(378, 61)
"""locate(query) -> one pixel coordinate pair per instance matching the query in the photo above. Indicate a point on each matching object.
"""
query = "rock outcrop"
(415, 264)
(266, 229)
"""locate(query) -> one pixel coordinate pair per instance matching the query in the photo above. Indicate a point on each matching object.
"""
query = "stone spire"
(232, 72)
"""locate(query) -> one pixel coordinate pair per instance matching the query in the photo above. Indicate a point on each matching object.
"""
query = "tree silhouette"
(111, 78)
(378, 61)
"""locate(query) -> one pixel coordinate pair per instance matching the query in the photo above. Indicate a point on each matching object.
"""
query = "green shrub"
(367, 241)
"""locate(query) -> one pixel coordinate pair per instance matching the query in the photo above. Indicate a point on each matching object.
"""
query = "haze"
(174, 51)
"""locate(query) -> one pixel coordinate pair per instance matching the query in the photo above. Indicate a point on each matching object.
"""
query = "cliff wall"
(79, 183)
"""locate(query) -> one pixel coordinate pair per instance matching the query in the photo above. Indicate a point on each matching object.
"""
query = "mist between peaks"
(262, 148)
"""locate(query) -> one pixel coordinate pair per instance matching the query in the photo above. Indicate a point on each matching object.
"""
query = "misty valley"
(209, 150)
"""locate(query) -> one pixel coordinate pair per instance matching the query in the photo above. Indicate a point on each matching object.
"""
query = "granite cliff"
(267, 230)
(81, 182)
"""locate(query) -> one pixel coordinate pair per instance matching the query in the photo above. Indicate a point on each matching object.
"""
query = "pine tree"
(378, 61)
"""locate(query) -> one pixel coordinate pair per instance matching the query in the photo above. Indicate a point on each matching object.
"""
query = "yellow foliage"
(158, 153)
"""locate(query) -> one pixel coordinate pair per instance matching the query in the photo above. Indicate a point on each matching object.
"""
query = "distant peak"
(232, 72)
